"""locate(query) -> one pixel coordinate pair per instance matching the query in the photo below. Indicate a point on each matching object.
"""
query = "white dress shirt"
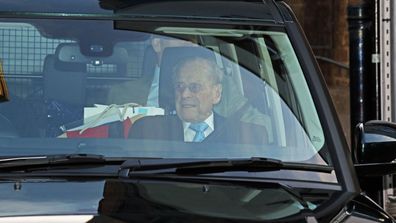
(152, 99)
(189, 134)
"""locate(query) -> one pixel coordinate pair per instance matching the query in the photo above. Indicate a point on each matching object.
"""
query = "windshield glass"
(128, 89)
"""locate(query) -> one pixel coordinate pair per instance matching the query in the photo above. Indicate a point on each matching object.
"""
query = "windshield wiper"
(26, 162)
(204, 166)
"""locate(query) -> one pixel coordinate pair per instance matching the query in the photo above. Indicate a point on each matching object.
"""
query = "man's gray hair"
(205, 65)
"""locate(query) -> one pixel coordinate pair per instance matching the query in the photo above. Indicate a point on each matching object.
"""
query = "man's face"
(196, 94)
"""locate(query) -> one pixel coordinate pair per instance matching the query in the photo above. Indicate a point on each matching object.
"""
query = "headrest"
(170, 57)
(69, 58)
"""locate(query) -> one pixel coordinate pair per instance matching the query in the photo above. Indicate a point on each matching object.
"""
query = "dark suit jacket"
(170, 127)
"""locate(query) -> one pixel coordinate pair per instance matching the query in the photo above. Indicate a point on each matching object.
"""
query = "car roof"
(261, 10)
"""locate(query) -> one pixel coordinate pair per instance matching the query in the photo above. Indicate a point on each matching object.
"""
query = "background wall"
(326, 27)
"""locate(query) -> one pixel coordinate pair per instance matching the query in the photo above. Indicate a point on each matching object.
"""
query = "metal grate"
(22, 53)
(104, 68)
(23, 49)
(135, 59)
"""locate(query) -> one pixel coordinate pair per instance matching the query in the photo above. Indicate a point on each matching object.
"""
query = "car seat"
(136, 89)
(65, 82)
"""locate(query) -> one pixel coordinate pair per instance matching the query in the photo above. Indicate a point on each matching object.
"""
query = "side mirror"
(374, 150)
(3, 86)
(375, 142)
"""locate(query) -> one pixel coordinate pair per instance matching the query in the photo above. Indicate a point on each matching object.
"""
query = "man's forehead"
(190, 75)
(195, 70)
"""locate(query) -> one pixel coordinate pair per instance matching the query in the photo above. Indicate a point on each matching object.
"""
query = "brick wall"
(326, 27)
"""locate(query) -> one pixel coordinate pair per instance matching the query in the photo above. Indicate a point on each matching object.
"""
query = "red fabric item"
(99, 131)
(96, 132)
(127, 126)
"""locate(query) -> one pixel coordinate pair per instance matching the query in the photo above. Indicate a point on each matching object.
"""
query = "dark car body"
(126, 185)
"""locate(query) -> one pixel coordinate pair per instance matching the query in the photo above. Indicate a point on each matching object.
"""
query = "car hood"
(48, 197)
(147, 200)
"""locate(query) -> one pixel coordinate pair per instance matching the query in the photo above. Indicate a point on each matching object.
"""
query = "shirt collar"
(209, 121)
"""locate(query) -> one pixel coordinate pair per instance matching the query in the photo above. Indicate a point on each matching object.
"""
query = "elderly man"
(197, 86)
(197, 89)
(144, 90)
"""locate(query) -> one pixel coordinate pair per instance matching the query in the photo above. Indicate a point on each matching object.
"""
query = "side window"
(299, 108)
(273, 83)
(285, 91)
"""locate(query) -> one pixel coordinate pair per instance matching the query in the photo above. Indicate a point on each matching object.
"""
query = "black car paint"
(326, 111)
(81, 196)
(128, 200)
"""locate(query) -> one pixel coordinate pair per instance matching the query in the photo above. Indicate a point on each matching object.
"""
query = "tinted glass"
(165, 91)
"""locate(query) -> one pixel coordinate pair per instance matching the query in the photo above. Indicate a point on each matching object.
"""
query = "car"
(99, 99)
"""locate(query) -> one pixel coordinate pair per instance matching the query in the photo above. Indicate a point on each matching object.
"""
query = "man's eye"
(195, 88)
(180, 86)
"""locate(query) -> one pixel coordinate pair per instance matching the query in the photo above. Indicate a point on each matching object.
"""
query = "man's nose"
(186, 92)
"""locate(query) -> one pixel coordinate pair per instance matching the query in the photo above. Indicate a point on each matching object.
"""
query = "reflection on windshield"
(237, 93)
(196, 201)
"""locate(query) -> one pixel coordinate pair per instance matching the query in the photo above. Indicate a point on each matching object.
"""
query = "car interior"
(75, 75)
(58, 76)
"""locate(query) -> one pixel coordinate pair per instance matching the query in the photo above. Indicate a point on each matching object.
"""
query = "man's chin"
(187, 116)
(188, 119)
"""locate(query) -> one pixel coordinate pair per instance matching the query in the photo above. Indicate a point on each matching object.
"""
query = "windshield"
(170, 90)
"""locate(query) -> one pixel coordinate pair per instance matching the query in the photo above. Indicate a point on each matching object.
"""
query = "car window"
(154, 90)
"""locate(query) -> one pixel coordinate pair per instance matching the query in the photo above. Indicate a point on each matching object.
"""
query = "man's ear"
(218, 89)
